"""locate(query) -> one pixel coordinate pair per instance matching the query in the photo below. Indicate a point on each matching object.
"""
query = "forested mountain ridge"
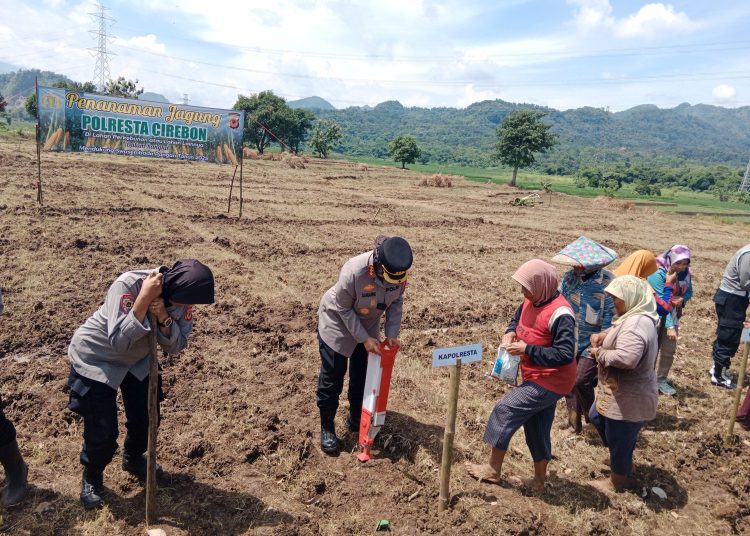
(699, 133)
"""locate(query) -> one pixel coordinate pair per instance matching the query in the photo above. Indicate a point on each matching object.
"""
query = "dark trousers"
(7, 431)
(730, 310)
(331, 380)
(620, 438)
(96, 402)
(528, 405)
(582, 397)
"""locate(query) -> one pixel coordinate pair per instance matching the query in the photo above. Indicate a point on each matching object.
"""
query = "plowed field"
(240, 427)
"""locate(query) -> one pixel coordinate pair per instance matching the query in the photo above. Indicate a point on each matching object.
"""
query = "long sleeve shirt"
(657, 280)
(350, 311)
(593, 308)
(627, 390)
(736, 279)
(112, 342)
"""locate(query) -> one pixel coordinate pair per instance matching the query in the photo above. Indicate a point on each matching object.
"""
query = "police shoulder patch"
(126, 303)
(188, 313)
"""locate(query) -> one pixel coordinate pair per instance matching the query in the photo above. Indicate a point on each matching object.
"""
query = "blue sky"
(563, 54)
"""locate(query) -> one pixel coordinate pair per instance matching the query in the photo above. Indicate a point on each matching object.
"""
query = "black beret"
(395, 255)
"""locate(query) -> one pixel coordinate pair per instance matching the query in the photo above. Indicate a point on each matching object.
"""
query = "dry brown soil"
(240, 428)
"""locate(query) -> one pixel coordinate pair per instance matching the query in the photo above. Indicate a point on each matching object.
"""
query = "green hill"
(700, 133)
(311, 103)
(17, 85)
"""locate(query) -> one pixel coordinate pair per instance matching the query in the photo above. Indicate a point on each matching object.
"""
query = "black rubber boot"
(329, 443)
(92, 489)
(352, 424)
(16, 472)
(136, 465)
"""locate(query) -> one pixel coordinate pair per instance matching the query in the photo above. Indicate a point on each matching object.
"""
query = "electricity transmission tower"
(103, 21)
(745, 186)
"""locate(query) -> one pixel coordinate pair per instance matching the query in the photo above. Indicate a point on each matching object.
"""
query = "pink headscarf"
(539, 278)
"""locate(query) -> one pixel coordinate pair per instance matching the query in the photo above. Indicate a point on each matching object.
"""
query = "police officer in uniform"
(110, 351)
(369, 285)
(16, 470)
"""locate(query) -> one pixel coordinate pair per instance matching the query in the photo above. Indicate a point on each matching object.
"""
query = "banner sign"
(87, 122)
(443, 357)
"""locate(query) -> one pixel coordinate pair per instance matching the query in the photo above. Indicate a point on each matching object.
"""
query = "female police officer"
(369, 285)
(110, 351)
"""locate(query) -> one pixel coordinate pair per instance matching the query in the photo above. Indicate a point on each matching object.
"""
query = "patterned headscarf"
(637, 295)
(539, 278)
(677, 253)
(586, 253)
(641, 264)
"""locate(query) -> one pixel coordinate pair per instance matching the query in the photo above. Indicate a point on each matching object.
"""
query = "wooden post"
(153, 422)
(38, 146)
(241, 184)
(448, 435)
(231, 186)
(737, 392)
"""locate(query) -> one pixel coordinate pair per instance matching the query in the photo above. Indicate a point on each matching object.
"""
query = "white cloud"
(143, 42)
(592, 14)
(655, 20)
(651, 20)
(724, 94)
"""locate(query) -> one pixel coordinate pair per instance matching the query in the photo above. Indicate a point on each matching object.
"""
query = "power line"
(101, 69)
(684, 48)
(676, 77)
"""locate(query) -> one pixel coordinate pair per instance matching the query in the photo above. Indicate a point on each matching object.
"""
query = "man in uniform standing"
(110, 351)
(349, 315)
(731, 301)
(16, 470)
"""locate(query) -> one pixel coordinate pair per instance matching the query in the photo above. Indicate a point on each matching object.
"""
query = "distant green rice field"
(671, 200)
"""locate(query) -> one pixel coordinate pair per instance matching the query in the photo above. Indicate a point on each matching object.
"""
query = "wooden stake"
(737, 392)
(153, 422)
(243, 157)
(448, 435)
(38, 147)
(231, 186)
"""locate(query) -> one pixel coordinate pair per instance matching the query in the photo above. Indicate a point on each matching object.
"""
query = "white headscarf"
(637, 295)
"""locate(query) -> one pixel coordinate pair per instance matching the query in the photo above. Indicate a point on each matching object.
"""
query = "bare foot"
(483, 473)
(533, 484)
(605, 486)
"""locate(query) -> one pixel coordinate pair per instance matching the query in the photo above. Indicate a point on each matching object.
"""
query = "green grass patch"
(685, 200)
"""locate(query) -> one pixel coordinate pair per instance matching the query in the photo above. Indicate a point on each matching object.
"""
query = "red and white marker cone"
(375, 401)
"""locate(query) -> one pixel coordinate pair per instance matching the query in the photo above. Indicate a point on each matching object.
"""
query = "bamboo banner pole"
(241, 159)
(38, 146)
(153, 421)
(231, 186)
(737, 392)
(448, 435)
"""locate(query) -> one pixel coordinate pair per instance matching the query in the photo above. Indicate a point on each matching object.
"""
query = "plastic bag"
(506, 366)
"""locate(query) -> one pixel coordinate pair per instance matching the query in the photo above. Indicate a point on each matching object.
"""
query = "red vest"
(533, 328)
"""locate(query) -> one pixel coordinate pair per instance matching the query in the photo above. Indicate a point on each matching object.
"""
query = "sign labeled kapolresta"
(87, 122)
(443, 357)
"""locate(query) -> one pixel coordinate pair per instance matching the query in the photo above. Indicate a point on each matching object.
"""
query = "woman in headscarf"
(626, 394)
(542, 332)
(675, 260)
(642, 263)
(583, 286)
(110, 351)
